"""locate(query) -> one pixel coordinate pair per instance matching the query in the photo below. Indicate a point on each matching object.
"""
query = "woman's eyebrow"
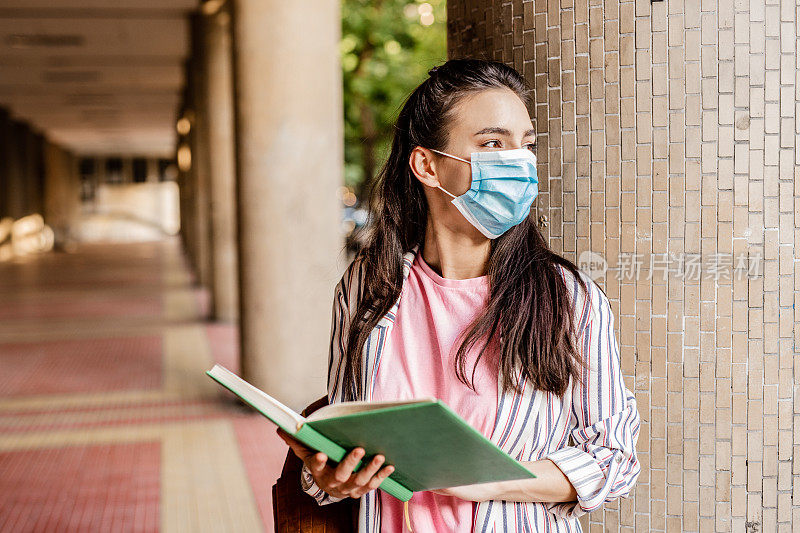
(503, 131)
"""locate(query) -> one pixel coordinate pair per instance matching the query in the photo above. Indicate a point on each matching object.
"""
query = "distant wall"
(130, 212)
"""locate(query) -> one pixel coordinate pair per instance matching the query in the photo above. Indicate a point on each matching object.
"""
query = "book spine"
(318, 441)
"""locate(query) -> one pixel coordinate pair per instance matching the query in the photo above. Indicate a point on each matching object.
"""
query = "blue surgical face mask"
(504, 185)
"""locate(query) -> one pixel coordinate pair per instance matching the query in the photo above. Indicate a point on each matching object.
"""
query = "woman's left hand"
(478, 492)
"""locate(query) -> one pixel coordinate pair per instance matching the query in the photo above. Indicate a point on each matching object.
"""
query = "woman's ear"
(423, 166)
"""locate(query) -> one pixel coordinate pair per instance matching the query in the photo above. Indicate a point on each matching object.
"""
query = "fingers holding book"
(364, 480)
(341, 480)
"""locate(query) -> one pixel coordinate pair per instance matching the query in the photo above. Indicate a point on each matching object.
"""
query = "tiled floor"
(101, 487)
(107, 420)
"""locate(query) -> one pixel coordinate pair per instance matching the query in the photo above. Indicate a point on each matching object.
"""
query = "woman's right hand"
(340, 481)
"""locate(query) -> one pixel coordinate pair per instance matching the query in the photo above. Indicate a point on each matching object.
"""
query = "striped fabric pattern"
(590, 432)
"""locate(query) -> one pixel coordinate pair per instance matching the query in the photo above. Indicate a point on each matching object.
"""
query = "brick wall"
(667, 136)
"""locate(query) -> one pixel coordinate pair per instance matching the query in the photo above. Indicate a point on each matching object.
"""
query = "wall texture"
(668, 137)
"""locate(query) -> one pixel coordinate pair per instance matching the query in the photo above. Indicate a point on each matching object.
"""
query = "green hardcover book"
(430, 446)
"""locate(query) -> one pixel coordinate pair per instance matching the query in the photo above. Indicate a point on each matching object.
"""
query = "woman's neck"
(455, 256)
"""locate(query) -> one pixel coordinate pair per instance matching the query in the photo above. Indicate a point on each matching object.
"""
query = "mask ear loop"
(453, 196)
(449, 155)
(454, 157)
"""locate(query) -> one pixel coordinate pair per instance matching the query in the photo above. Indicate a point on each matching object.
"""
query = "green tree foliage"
(387, 48)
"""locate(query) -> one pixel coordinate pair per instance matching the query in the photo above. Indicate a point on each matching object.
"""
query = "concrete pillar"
(184, 185)
(27, 166)
(5, 155)
(61, 193)
(31, 171)
(200, 147)
(153, 175)
(20, 170)
(15, 165)
(127, 169)
(218, 77)
(289, 165)
(36, 178)
(98, 177)
(99, 170)
(183, 178)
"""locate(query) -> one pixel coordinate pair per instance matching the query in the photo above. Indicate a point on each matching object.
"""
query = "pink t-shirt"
(419, 360)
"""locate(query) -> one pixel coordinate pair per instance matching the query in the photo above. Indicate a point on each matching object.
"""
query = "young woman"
(455, 274)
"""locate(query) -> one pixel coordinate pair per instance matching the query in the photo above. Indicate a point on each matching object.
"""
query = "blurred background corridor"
(107, 420)
(150, 217)
(182, 183)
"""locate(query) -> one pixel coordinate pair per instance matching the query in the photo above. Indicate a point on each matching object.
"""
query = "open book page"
(284, 416)
(348, 408)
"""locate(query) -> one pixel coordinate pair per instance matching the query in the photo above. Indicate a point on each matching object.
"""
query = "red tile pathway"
(81, 488)
(106, 424)
(85, 365)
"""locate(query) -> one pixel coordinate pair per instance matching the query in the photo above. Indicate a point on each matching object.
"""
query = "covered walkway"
(107, 421)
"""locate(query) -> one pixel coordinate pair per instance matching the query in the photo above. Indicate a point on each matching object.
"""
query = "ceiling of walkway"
(96, 76)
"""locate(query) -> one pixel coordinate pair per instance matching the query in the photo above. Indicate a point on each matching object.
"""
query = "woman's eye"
(531, 146)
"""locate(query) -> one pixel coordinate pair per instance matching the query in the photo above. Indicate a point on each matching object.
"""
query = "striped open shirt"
(598, 414)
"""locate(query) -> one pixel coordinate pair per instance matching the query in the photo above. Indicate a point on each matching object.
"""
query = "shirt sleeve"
(340, 319)
(310, 487)
(602, 466)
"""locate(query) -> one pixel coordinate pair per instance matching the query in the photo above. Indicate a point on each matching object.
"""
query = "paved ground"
(107, 420)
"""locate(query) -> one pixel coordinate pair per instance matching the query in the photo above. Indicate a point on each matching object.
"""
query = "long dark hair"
(528, 309)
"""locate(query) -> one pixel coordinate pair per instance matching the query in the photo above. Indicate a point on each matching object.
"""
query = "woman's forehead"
(492, 108)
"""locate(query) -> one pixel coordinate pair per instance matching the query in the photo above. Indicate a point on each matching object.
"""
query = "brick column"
(667, 132)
